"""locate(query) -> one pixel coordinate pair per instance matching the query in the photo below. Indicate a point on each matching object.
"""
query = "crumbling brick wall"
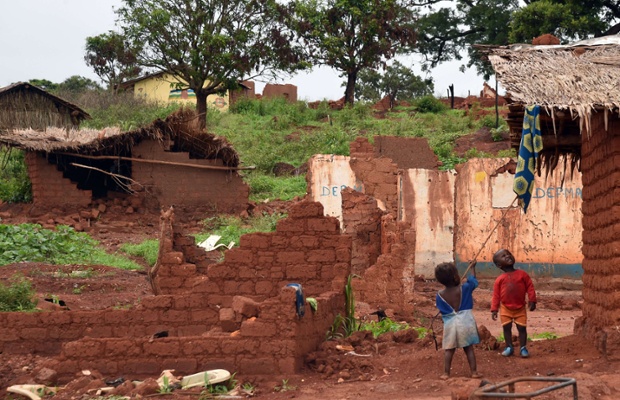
(174, 185)
(600, 168)
(379, 175)
(406, 152)
(240, 316)
(288, 91)
(362, 221)
(389, 283)
(50, 188)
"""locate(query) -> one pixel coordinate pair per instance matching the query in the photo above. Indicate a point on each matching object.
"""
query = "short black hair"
(445, 273)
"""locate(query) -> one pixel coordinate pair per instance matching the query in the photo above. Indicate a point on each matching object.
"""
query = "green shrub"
(430, 104)
(381, 327)
(18, 295)
(14, 180)
(30, 242)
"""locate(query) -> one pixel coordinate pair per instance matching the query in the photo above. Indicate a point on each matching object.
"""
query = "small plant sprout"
(284, 387)
(165, 388)
(314, 305)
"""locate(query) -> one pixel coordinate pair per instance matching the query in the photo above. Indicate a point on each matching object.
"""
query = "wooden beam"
(214, 167)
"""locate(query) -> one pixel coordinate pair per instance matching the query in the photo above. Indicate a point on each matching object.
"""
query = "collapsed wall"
(237, 315)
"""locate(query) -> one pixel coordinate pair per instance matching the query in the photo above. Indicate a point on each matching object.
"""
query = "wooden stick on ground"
(489, 237)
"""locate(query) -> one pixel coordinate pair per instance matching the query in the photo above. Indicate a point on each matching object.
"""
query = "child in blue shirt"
(455, 302)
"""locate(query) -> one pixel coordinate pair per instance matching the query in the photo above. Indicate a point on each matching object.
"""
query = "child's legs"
(447, 360)
(522, 334)
(471, 358)
(508, 334)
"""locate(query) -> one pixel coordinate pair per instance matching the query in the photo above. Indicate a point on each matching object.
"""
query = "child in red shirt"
(509, 293)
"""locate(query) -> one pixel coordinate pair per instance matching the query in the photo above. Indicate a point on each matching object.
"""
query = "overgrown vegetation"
(386, 325)
(18, 295)
(270, 131)
(229, 227)
(31, 242)
(344, 326)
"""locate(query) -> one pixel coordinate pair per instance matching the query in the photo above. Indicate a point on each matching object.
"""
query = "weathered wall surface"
(406, 152)
(288, 91)
(428, 207)
(176, 185)
(50, 188)
(545, 242)
(601, 236)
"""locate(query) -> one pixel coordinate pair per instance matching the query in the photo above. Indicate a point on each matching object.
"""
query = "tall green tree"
(76, 84)
(44, 84)
(566, 19)
(112, 58)
(397, 81)
(210, 44)
(353, 35)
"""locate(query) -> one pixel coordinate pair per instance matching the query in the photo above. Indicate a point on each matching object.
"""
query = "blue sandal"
(508, 352)
(524, 352)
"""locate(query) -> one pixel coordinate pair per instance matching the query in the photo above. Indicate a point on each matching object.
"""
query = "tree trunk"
(201, 109)
(349, 93)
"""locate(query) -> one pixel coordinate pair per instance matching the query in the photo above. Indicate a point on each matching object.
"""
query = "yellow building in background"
(164, 88)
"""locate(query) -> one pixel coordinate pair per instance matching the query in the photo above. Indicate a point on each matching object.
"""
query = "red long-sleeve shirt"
(510, 289)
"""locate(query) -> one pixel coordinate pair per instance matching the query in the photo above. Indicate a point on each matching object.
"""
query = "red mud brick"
(161, 301)
(263, 287)
(291, 226)
(328, 224)
(175, 257)
(256, 328)
(245, 306)
(290, 257)
(306, 209)
(162, 347)
(256, 240)
(302, 271)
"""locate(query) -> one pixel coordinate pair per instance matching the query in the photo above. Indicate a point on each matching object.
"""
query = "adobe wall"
(225, 191)
(327, 176)
(406, 152)
(362, 221)
(428, 208)
(379, 175)
(600, 165)
(239, 315)
(50, 188)
(288, 91)
(546, 241)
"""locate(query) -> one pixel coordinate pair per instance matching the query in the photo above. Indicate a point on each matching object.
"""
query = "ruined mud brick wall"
(600, 167)
(379, 175)
(50, 188)
(274, 344)
(406, 152)
(306, 248)
(288, 91)
(362, 221)
(389, 283)
(169, 185)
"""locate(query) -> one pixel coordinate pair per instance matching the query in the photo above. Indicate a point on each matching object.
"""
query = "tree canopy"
(397, 81)
(210, 44)
(112, 58)
(353, 35)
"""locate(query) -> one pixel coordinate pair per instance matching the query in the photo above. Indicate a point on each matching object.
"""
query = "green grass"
(148, 250)
(31, 242)
(18, 295)
(14, 181)
(381, 327)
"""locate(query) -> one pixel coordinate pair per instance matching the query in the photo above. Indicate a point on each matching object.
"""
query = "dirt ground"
(393, 366)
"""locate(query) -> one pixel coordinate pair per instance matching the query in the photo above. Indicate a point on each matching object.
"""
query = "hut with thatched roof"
(24, 106)
(167, 163)
(578, 85)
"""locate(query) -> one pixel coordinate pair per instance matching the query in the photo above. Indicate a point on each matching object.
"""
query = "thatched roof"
(580, 77)
(180, 126)
(23, 86)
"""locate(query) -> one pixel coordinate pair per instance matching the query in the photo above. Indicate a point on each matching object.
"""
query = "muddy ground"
(393, 366)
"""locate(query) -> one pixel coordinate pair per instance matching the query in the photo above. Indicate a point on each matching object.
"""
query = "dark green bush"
(430, 104)
(14, 181)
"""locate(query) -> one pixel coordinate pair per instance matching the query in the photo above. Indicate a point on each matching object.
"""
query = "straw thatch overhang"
(23, 105)
(570, 82)
(179, 130)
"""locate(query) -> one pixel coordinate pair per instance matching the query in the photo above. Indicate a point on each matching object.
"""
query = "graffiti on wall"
(335, 190)
(553, 192)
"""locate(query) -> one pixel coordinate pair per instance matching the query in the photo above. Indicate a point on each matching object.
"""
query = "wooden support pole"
(214, 167)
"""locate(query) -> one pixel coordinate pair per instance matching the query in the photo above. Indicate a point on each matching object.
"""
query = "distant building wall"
(178, 185)
(163, 89)
(288, 91)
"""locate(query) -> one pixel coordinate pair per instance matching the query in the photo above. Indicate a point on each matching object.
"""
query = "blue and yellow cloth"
(531, 145)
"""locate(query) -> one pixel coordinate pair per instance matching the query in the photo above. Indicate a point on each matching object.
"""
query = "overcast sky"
(44, 39)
